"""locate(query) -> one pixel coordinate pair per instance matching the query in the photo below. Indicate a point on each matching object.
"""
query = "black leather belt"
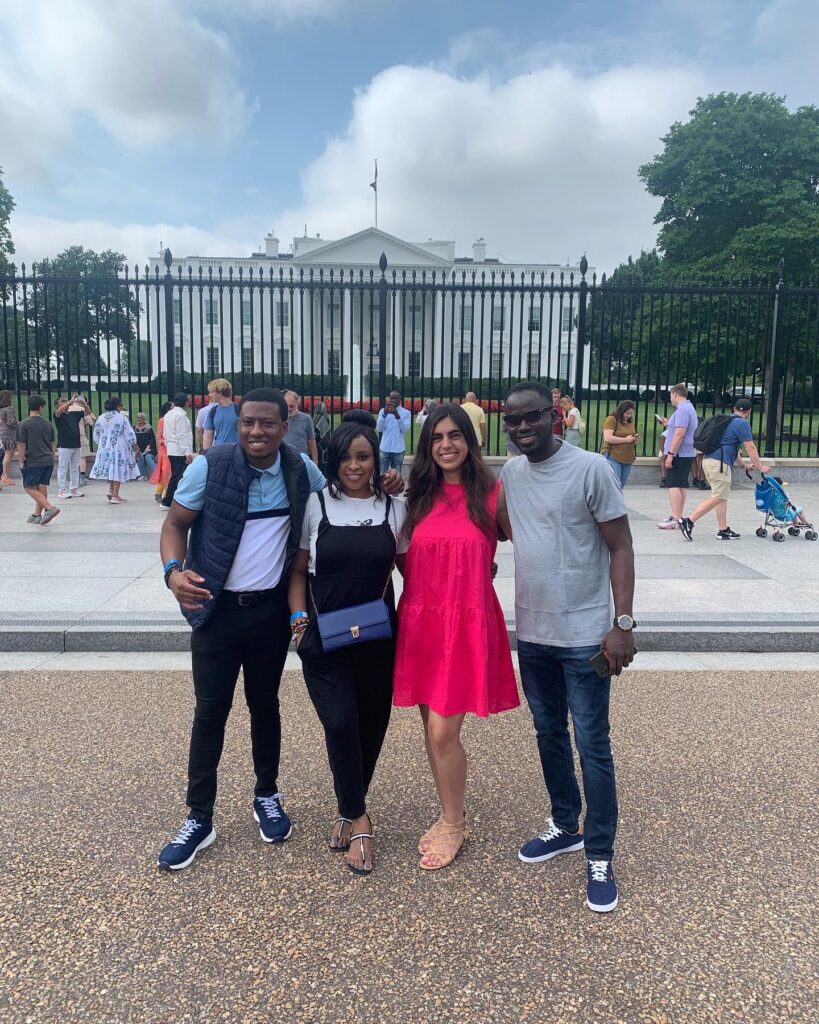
(249, 598)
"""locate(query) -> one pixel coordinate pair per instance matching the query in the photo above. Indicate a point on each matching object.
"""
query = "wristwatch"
(624, 622)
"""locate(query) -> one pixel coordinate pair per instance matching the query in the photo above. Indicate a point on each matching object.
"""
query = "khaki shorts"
(720, 481)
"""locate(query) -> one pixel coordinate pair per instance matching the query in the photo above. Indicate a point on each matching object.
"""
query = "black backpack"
(708, 435)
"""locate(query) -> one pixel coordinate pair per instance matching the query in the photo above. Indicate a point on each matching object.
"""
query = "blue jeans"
(622, 469)
(391, 460)
(557, 680)
(146, 464)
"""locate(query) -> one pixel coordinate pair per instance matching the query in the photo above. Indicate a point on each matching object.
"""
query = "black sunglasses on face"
(532, 417)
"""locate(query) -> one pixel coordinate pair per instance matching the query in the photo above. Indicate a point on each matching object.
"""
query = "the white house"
(315, 309)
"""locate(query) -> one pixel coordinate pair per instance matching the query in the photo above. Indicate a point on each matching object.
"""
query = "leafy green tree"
(84, 315)
(6, 244)
(739, 184)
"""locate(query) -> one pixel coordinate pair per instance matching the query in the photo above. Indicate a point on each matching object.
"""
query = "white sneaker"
(63, 494)
(668, 524)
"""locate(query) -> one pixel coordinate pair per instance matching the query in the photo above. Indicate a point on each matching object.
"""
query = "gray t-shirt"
(299, 432)
(37, 434)
(562, 580)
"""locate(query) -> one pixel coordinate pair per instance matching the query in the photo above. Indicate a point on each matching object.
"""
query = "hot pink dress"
(453, 649)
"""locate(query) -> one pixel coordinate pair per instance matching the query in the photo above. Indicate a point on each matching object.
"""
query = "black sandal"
(360, 836)
(342, 821)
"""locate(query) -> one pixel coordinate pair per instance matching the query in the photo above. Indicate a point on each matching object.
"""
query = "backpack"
(708, 435)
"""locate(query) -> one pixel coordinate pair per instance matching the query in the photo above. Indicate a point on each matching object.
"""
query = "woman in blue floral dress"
(115, 440)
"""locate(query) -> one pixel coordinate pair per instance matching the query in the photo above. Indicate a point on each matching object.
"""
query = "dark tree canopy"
(739, 184)
(6, 244)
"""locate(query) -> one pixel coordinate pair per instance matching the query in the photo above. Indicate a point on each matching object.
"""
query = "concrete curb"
(723, 636)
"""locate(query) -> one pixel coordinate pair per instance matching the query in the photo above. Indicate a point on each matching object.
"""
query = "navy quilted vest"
(215, 537)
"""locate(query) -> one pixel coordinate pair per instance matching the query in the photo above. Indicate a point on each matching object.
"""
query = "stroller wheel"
(761, 532)
(810, 534)
(780, 537)
(793, 531)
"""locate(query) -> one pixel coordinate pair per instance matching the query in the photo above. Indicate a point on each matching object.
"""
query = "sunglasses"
(532, 417)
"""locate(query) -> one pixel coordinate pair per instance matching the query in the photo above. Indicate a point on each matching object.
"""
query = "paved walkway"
(716, 924)
(91, 579)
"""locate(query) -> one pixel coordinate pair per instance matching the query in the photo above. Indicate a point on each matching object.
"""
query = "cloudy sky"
(204, 124)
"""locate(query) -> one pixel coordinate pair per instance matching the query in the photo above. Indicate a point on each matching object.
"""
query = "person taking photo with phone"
(571, 556)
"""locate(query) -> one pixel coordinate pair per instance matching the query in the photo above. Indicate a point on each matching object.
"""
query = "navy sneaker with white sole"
(552, 842)
(601, 889)
(274, 825)
(193, 837)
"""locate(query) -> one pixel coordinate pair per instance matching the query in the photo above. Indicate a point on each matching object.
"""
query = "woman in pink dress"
(452, 656)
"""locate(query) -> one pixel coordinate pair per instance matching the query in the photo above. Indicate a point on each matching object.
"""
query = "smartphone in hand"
(600, 664)
(659, 418)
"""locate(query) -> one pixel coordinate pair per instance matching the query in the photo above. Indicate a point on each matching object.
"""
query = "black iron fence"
(349, 337)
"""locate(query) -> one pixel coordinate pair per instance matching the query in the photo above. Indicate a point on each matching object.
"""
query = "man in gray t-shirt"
(573, 549)
(301, 433)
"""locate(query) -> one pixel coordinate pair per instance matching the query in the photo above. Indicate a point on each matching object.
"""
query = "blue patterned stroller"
(780, 512)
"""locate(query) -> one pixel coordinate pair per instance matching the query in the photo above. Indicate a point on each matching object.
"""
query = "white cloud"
(543, 165)
(144, 72)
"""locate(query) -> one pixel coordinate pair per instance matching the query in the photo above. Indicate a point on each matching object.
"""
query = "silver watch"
(624, 622)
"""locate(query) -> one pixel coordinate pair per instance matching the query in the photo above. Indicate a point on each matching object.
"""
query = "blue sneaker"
(601, 889)
(553, 841)
(188, 841)
(274, 825)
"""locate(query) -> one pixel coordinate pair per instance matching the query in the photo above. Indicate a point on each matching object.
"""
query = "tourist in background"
(8, 435)
(557, 422)
(146, 443)
(321, 428)
(85, 444)
(301, 434)
(452, 656)
(35, 456)
(476, 415)
(202, 415)
(222, 414)
(679, 451)
(179, 443)
(572, 422)
(68, 419)
(161, 476)
(393, 424)
(429, 406)
(115, 460)
(619, 446)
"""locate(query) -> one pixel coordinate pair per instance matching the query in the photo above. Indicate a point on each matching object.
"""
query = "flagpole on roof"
(374, 187)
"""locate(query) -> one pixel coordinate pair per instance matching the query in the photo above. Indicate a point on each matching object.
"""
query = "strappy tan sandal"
(441, 845)
(430, 834)
(361, 836)
(341, 821)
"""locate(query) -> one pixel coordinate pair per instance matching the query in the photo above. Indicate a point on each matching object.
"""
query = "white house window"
(534, 318)
(334, 361)
(496, 364)
(497, 318)
(464, 365)
(466, 317)
(414, 364)
(247, 360)
(564, 365)
(282, 362)
(534, 365)
(212, 354)
(177, 358)
(246, 313)
(282, 314)
(212, 312)
(566, 319)
(177, 311)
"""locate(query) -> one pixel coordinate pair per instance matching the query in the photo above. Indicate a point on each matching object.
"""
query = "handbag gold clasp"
(355, 631)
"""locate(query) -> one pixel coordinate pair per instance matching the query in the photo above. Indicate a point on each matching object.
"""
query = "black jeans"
(178, 466)
(351, 690)
(254, 639)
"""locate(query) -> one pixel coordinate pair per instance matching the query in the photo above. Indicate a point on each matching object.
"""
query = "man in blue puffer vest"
(243, 507)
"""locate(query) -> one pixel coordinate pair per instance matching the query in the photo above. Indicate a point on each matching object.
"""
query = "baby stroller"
(780, 512)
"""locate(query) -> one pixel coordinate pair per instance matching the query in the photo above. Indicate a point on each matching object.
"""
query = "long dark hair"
(426, 479)
(165, 407)
(338, 444)
(113, 404)
(622, 409)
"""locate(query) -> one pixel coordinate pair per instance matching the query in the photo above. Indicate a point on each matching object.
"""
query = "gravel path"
(716, 864)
